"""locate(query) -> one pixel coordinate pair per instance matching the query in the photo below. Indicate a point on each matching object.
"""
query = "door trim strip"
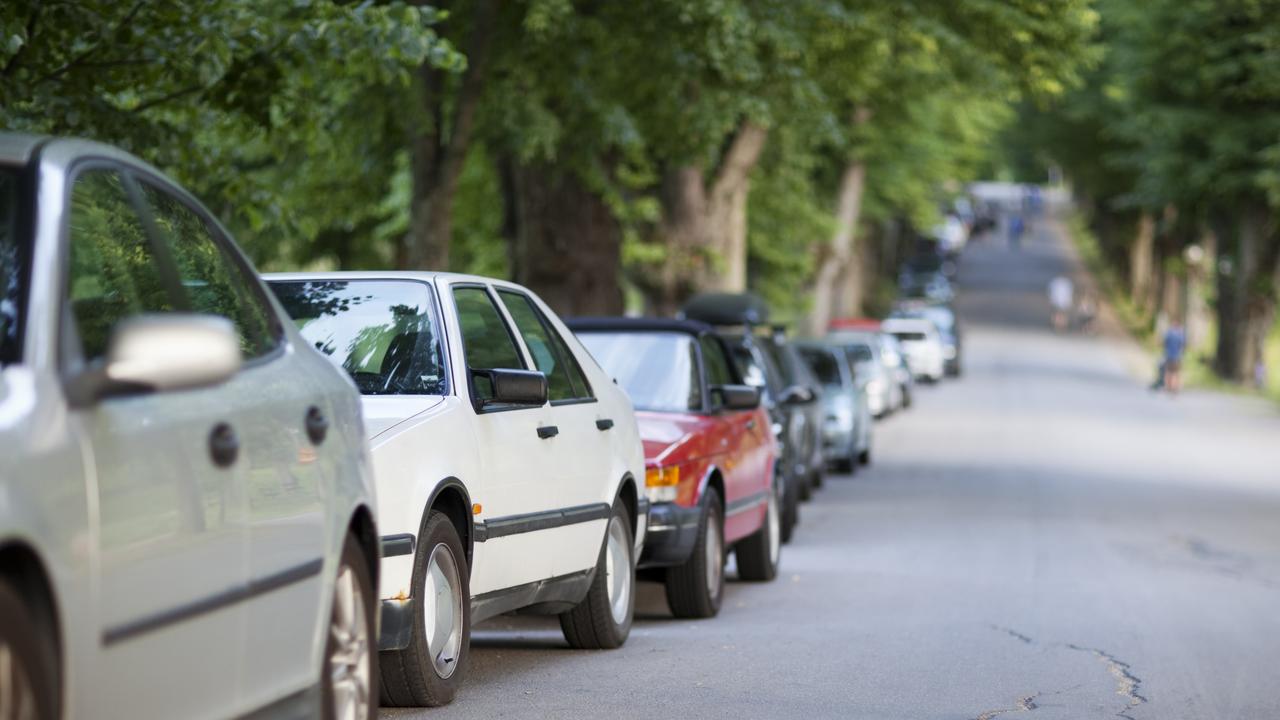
(746, 503)
(543, 520)
(260, 586)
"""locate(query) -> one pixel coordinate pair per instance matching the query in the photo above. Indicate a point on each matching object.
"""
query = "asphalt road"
(1043, 536)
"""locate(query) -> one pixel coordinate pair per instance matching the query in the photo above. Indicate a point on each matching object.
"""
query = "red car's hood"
(671, 438)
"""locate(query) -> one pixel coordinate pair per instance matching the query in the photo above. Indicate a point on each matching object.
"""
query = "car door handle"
(604, 424)
(224, 446)
(317, 425)
(548, 431)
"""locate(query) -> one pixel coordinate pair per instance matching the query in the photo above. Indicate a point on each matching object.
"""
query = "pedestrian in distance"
(1175, 344)
(1086, 313)
(1016, 227)
(1061, 293)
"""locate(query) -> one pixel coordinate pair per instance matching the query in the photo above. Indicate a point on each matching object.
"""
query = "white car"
(922, 345)
(509, 469)
(865, 351)
(186, 509)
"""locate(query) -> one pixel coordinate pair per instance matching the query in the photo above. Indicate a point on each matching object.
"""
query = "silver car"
(865, 350)
(846, 430)
(185, 500)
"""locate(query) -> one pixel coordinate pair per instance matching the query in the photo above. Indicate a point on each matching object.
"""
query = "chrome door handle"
(548, 431)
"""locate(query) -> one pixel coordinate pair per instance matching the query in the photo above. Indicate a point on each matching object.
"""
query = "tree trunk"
(1248, 270)
(440, 148)
(704, 227)
(1141, 262)
(568, 244)
(839, 279)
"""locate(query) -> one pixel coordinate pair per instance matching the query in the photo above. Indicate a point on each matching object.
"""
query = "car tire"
(696, 587)
(350, 666)
(759, 553)
(906, 398)
(602, 620)
(818, 477)
(29, 661)
(864, 457)
(429, 671)
(806, 489)
(844, 465)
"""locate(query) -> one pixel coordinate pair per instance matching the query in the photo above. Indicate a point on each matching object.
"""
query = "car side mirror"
(736, 397)
(514, 387)
(797, 395)
(159, 353)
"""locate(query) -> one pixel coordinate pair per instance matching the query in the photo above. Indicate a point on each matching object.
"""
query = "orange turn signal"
(662, 477)
(475, 509)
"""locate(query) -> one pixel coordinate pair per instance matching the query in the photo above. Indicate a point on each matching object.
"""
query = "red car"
(710, 455)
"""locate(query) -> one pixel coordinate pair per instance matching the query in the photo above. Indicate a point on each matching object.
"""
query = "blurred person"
(1086, 312)
(1016, 227)
(1175, 344)
(1061, 292)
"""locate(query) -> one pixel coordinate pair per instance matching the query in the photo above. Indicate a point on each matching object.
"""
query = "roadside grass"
(1198, 367)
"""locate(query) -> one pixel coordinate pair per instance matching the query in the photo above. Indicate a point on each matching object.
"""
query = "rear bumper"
(673, 531)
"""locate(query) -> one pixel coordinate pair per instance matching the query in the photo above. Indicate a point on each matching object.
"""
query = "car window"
(214, 282)
(859, 353)
(824, 366)
(486, 341)
(11, 300)
(551, 355)
(909, 336)
(113, 271)
(657, 370)
(383, 333)
(718, 370)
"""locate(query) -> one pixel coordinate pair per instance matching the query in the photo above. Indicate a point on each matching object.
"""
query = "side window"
(718, 372)
(214, 282)
(486, 342)
(113, 271)
(551, 355)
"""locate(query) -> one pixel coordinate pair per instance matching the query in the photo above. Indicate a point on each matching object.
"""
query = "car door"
(170, 517)
(267, 408)
(578, 453)
(745, 451)
(516, 490)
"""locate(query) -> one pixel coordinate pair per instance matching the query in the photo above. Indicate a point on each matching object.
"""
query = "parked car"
(895, 364)
(865, 346)
(922, 345)
(944, 319)
(846, 430)
(741, 319)
(710, 457)
(507, 462)
(186, 504)
(796, 373)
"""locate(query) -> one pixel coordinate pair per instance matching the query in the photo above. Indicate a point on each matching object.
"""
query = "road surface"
(1044, 537)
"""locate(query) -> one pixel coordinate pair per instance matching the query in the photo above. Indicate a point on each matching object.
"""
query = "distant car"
(895, 363)
(186, 503)
(932, 286)
(508, 464)
(944, 319)
(710, 456)
(872, 352)
(922, 345)
(742, 320)
(846, 431)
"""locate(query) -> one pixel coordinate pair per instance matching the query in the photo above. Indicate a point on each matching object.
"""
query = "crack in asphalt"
(1128, 685)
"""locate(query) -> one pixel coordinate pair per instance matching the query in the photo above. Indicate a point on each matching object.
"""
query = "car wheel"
(27, 685)
(817, 477)
(758, 554)
(906, 397)
(429, 671)
(844, 465)
(864, 457)
(351, 663)
(806, 488)
(603, 619)
(695, 588)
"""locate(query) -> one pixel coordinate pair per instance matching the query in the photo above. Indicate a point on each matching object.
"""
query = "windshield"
(382, 332)
(909, 336)
(823, 364)
(10, 268)
(659, 370)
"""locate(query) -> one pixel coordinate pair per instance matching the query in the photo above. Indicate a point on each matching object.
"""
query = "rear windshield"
(11, 300)
(384, 333)
(658, 370)
(909, 336)
(823, 364)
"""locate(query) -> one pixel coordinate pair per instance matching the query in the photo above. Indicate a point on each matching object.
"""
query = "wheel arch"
(713, 478)
(629, 494)
(22, 566)
(365, 530)
(450, 497)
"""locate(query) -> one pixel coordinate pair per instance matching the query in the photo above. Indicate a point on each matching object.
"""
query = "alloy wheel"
(349, 666)
(617, 568)
(442, 611)
(714, 547)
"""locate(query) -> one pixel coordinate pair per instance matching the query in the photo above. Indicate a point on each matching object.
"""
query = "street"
(1042, 535)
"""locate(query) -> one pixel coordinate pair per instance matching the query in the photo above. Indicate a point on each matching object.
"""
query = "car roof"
(907, 323)
(354, 275)
(19, 148)
(827, 345)
(637, 324)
